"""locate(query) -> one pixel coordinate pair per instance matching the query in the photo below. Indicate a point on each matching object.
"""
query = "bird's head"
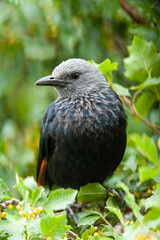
(74, 77)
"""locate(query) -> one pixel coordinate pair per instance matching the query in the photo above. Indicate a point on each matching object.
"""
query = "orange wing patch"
(42, 173)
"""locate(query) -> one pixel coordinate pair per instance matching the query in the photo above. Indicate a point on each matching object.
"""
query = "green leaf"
(130, 162)
(60, 198)
(136, 231)
(21, 187)
(54, 226)
(89, 232)
(108, 232)
(35, 238)
(151, 218)
(34, 227)
(106, 67)
(93, 62)
(150, 82)
(153, 201)
(30, 183)
(88, 220)
(113, 207)
(143, 60)
(92, 192)
(144, 103)
(130, 200)
(146, 146)
(39, 196)
(4, 191)
(13, 227)
(120, 90)
(148, 172)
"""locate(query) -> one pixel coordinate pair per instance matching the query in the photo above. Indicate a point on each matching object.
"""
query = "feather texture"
(83, 138)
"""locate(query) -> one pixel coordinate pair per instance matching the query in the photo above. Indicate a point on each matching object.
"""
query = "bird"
(83, 132)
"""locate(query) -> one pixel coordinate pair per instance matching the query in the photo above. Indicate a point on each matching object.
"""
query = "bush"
(34, 37)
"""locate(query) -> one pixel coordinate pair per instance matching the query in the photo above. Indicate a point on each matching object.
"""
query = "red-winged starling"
(83, 132)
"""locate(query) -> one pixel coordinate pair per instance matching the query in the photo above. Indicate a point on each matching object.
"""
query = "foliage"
(38, 218)
(35, 218)
(34, 37)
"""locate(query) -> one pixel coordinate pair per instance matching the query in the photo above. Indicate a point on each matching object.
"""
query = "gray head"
(74, 77)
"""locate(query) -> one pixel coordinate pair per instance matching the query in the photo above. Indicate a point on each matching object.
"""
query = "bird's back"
(83, 139)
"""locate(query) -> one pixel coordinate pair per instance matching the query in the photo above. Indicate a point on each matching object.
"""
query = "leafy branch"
(43, 223)
(134, 112)
(132, 13)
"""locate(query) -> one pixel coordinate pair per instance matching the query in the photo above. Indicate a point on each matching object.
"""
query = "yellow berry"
(140, 236)
(49, 238)
(149, 191)
(21, 213)
(33, 216)
(129, 222)
(19, 207)
(153, 187)
(40, 209)
(96, 234)
(30, 212)
(26, 216)
(4, 214)
(9, 206)
(35, 211)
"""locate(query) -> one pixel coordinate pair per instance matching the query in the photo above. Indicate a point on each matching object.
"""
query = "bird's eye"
(75, 75)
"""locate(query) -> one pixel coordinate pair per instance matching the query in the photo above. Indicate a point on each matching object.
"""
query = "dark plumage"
(83, 132)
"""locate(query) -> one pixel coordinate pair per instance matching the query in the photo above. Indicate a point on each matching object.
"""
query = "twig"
(130, 103)
(10, 202)
(104, 219)
(69, 210)
(132, 13)
(71, 234)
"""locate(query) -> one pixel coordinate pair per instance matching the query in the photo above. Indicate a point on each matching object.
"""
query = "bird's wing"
(47, 145)
(41, 173)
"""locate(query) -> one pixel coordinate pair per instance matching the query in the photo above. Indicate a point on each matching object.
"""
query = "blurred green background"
(35, 36)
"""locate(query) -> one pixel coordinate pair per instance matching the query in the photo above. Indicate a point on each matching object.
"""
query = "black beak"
(50, 81)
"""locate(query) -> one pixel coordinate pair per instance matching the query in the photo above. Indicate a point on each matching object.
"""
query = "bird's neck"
(76, 93)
